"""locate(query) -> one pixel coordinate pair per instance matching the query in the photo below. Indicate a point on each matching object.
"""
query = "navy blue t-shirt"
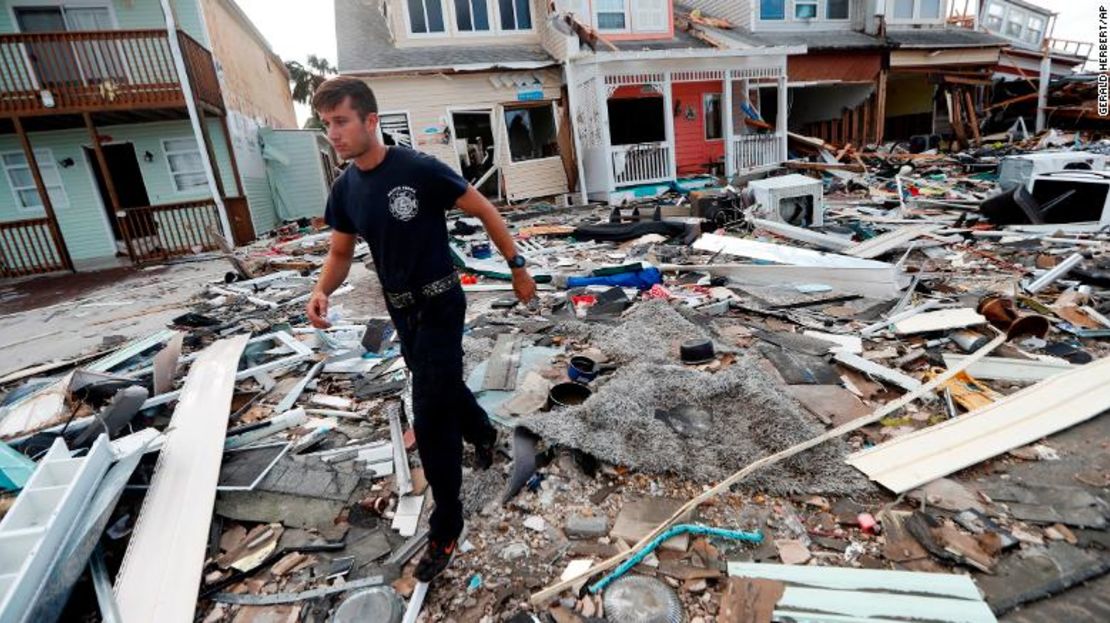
(400, 208)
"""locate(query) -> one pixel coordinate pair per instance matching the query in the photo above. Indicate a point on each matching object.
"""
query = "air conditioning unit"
(1073, 196)
(792, 199)
(1020, 170)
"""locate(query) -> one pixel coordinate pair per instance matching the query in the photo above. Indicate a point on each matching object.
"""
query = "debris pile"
(734, 403)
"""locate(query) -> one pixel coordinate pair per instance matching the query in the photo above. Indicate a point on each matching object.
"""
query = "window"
(1035, 32)
(930, 9)
(995, 13)
(1013, 26)
(836, 9)
(903, 9)
(611, 15)
(22, 180)
(651, 16)
(186, 167)
(425, 16)
(805, 9)
(395, 129)
(471, 15)
(772, 9)
(532, 132)
(515, 15)
(711, 111)
(907, 10)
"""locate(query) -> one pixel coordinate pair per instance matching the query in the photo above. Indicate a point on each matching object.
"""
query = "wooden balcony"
(68, 73)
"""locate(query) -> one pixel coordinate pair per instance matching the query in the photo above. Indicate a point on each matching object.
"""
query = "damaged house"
(130, 135)
(468, 82)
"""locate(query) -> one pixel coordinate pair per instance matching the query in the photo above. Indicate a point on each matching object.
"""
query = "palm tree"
(307, 79)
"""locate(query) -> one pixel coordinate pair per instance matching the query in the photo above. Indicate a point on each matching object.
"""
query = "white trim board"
(1035, 412)
(188, 468)
(1007, 369)
(889, 241)
(939, 321)
(781, 254)
(878, 283)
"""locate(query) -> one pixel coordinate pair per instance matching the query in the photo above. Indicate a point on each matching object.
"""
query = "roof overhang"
(452, 69)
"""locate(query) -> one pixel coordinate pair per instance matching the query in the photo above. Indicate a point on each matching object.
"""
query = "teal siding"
(84, 222)
(261, 202)
(296, 175)
(135, 14)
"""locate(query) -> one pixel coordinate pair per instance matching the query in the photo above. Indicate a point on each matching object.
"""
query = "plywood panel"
(840, 66)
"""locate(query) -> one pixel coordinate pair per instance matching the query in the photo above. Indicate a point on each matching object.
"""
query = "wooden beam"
(880, 109)
(109, 183)
(211, 152)
(47, 205)
(231, 156)
(972, 120)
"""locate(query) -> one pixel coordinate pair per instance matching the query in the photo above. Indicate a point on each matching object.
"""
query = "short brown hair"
(332, 93)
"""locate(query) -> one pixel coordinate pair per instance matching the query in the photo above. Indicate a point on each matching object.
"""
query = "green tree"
(306, 79)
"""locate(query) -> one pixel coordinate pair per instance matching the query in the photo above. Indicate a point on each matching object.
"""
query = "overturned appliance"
(793, 199)
(1059, 197)
(1020, 170)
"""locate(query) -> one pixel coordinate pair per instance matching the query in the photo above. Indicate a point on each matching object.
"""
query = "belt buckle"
(400, 299)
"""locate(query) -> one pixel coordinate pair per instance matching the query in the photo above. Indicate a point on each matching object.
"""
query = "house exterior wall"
(128, 14)
(429, 100)
(82, 219)
(397, 16)
(253, 79)
(692, 150)
(296, 175)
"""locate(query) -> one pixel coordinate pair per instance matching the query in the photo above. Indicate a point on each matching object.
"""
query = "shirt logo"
(403, 204)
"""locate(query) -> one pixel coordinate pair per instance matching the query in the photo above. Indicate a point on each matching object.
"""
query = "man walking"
(397, 200)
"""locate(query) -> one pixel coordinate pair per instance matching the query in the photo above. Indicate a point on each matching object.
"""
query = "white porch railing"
(756, 150)
(641, 163)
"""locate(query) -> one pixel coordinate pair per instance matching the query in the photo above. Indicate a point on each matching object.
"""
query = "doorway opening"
(473, 138)
(123, 166)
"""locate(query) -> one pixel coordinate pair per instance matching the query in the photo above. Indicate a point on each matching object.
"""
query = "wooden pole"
(880, 109)
(47, 205)
(552, 591)
(231, 156)
(110, 184)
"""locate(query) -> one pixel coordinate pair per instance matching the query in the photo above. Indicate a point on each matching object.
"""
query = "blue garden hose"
(685, 528)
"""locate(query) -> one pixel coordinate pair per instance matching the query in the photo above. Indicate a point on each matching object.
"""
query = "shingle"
(945, 37)
(364, 44)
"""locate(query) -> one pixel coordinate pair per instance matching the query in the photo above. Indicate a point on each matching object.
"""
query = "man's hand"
(317, 309)
(523, 285)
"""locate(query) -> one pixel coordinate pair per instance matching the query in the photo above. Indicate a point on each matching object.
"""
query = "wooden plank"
(879, 283)
(889, 241)
(871, 368)
(751, 601)
(940, 321)
(811, 604)
(503, 363)
(939, 584)
(162, 567)
(1035, 412)
(781, 254)
(1007, 369)
(802, 234)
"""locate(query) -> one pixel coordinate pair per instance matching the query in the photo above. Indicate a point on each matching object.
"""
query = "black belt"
(426, 291)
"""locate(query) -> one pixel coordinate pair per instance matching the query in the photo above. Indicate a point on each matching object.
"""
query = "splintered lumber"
(162, 567)
(1033, 413)
(552, 591)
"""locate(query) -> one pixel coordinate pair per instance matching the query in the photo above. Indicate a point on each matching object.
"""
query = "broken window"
(186, 166)
(636, 120)
(532, 132)
(22, 181)
(712, 113)
(516, 15)
(995, 12)
(836, 9)
(805, 9)
(611, 15)
(425, 16)
(772, 9)
(395, 129)
(471, 15)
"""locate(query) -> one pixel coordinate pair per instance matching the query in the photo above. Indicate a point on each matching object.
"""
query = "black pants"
(446, 412)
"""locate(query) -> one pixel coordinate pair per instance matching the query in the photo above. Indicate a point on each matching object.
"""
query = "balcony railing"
(74, 72)
(1078, 49)
(160, 232)
(756, 150)
(641, 163)
(27, 248)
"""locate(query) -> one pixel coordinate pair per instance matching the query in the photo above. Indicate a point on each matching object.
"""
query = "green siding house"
(115, 142)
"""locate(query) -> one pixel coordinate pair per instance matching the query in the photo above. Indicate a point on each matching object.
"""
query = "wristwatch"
(517, 261)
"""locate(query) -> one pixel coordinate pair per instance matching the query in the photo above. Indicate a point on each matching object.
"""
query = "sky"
(297, 28)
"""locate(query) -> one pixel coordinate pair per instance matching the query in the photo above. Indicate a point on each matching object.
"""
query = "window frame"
(627, 10)
(705, 99)
(790, 13)
(916, 17)
(447, 28)
(514, 106)
(408, 122)
(167, 152)
(44, 156)
(531, 13)
(454, 21)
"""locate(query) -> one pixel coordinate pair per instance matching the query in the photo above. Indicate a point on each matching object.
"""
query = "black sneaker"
(435, 559)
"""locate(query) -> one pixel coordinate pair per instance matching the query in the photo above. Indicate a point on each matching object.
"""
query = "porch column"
(47, 205)
(880, 109)
(602, 96)
(207, 136)
(110, 184)
(781, 127)
(668, 125)
(572, 105)
(726, 103)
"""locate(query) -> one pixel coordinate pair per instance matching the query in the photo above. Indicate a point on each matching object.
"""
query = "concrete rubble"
(804, 331)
